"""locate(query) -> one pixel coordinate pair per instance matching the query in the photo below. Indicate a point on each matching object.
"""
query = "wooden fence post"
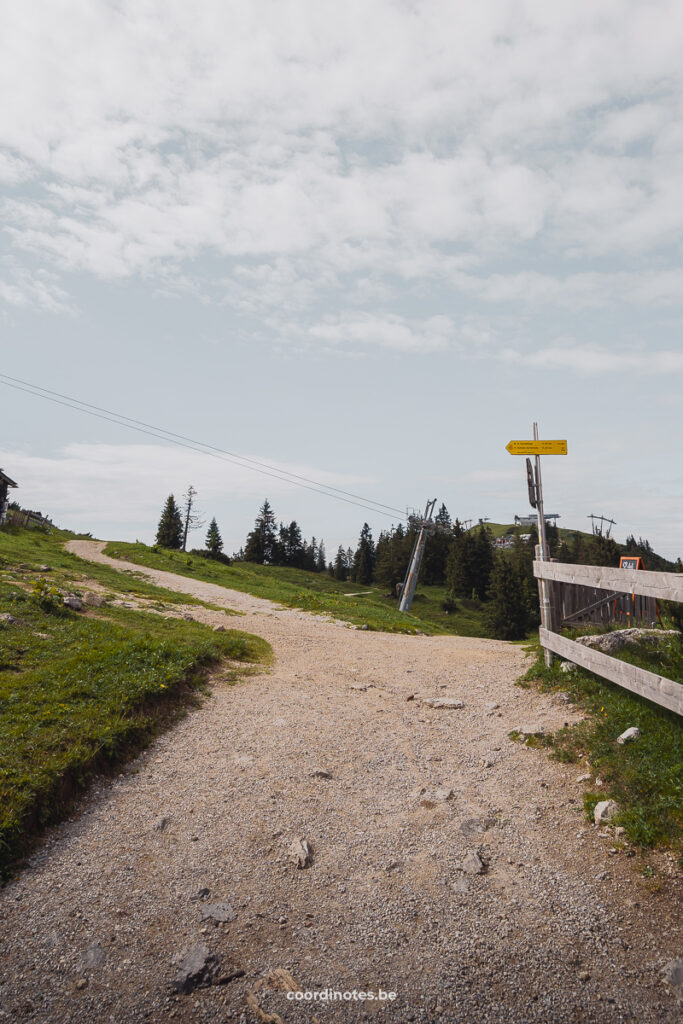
(546, 603)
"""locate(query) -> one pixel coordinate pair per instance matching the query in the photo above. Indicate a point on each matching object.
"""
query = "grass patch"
(317, 592)
(82, 693)
(643, 776)
(24, 551)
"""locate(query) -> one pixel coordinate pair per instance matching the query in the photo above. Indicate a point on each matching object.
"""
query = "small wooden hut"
(5, 483)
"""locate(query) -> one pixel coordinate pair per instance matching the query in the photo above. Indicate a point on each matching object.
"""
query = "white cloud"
(386, 331)
(595, 360)
(320, 134)
(23, 287)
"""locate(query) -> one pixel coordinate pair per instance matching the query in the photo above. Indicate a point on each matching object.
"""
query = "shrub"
(214, 556)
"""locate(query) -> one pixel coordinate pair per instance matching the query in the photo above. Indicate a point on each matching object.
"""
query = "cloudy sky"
(366, 242)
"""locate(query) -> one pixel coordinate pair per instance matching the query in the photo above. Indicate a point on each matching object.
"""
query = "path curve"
(557, 929)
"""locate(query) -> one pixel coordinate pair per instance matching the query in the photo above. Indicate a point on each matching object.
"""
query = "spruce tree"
(484, 557)
(437, 548)
(341, 568)
(389, 560)
(214, 541)
(170, 528)
(309, 556)
(470, 562)
(460, 568)
(261, 545)
(320, 562)
(364, 558)
(292, 543)
(507, 613)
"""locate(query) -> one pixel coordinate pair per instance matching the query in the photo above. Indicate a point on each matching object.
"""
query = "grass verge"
(33, 549)
(644, 776)
(316, 592)
(81, 693)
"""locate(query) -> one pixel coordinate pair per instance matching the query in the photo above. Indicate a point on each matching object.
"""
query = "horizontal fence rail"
(632, 592)
(668, 586)
(665, 692)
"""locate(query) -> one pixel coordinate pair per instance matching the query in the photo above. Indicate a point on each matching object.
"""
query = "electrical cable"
(161, 434)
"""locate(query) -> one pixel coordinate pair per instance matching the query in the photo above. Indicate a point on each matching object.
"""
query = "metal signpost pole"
(538, 448)
(546, 615)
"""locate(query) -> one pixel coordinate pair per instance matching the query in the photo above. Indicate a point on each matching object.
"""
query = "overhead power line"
(181, 440)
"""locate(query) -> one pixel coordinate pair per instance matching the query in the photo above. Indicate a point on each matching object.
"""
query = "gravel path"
(556, 929)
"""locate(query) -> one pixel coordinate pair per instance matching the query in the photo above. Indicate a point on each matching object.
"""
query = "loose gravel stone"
(630, 734)
(220, 912)
(197, 967)
(605, 810)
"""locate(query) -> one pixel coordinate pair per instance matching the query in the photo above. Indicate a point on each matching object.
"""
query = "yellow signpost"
(537, 447)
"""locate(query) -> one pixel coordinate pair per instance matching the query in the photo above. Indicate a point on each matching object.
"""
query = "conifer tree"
(310, 555)
(320, 563)
(364, 558)
(507, 613)
(261, 545)
(460, 565)
(192, 520)
(289, 549)
(214, 541)
(389, 560)
(341, 567)
(170, 528)
(437, 548)
(470, 563)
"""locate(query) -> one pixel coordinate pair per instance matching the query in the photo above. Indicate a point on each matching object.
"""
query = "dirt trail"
(556, 929)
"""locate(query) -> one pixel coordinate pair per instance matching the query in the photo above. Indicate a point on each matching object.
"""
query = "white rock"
(584, 778)
(440, 795)
(443, 702)
(605, 811)
(568, 666)
(672, 975)
(608, 643)
(473, 864)
(631, 734)
(73, 601)
(301, 853)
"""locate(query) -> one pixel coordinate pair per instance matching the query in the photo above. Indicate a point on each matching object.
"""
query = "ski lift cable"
(161, 434)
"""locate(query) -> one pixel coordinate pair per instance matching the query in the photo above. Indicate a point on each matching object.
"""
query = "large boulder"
(610, 643)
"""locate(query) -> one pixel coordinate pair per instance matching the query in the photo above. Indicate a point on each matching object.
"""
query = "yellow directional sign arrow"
(537, 447)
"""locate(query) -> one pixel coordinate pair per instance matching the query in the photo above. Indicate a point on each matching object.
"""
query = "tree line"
(178, 521)
(464, 561)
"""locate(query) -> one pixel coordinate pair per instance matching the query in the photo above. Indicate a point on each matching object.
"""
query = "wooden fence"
(627, 589)
(24, 517)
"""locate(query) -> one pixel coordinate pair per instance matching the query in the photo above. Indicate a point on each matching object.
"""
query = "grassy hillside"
(316, 592)
(82, 691)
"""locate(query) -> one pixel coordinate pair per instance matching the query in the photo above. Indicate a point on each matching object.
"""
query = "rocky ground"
(330, 825)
